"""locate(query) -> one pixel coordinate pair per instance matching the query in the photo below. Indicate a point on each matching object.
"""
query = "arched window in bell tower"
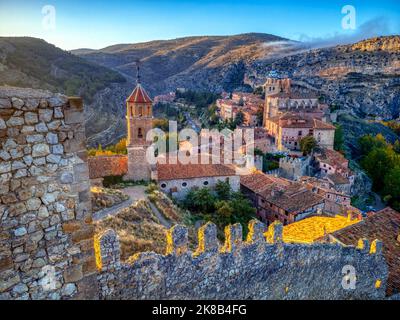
(140, 111)
(148, 111)
(140, 133)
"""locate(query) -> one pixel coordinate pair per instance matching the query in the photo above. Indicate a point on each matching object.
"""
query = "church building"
(139, 117)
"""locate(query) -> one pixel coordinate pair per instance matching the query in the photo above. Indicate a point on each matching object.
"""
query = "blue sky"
(96, 24)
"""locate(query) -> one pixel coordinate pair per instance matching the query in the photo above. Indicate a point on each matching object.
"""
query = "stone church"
(139, 117)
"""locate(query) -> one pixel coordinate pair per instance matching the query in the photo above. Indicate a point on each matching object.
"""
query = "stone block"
(73, 274)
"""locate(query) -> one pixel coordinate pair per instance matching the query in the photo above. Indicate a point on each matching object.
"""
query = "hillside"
(210, 62)
(30, 62)
(362, 79)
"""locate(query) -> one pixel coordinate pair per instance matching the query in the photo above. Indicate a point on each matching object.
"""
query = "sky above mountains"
(96, 24)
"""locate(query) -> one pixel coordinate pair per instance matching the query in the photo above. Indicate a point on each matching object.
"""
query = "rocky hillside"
(362, 79)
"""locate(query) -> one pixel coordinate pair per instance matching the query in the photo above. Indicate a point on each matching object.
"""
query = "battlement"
(260, 267)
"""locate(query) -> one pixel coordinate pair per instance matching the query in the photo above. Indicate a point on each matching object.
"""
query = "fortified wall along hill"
(48, 249)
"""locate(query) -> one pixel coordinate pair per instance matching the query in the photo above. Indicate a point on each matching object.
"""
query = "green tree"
(396, 146)
(377, 163)
(200, 200)
(339, 138)
(223, 190)
(368, 142)
(224, 211)
(392, 187)
(258, 90)
(239, 118)
(307, 144)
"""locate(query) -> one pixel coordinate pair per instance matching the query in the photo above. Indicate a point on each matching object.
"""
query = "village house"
(164, 98)
(336, 202)
(288, 129)
(247, 103)
(178, 179)
(333, 162)
(280, 199)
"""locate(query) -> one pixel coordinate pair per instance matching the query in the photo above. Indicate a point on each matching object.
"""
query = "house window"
(184, 184)
(140, 133)
(163, 185)
(205, 183)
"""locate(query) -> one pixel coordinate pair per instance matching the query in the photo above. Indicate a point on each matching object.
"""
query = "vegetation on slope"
(381, 161)
(33, 62)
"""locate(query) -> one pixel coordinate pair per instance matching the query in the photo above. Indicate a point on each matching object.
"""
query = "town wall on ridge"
(258, 268)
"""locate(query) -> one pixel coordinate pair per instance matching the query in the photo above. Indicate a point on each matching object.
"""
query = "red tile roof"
(384, 226)
(189, 171)
(139, 95)
(321, 125)
(333, 158)
(288, 195)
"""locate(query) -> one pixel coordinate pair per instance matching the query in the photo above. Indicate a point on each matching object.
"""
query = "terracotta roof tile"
(321, 125)
(290, 196)
(189, 171)
(139, 95)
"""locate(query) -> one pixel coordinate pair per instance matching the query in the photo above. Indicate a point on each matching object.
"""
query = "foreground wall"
(46, 235)
(254, 269)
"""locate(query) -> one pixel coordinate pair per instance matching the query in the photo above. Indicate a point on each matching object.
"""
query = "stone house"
(178, 179)
(331, 161)
(229, 108)
(289, 128)
(280, 199)
(336, 202)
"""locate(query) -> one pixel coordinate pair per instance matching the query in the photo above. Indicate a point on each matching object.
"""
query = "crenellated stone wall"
(46, 234)
(262, 267)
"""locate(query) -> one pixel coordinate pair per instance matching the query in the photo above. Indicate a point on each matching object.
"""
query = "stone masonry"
(46, 235)
(259, 268)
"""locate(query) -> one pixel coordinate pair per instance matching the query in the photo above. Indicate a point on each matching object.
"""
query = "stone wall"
(103, 166)
(294, 168)
(179, 188)
(46, 235)
(254, 269)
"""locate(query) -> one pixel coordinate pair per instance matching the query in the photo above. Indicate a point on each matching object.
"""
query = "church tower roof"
(139, 95)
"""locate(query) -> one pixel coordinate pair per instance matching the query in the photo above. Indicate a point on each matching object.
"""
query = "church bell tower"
(139, 117)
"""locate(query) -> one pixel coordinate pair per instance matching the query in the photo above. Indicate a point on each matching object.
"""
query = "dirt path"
(135, 193)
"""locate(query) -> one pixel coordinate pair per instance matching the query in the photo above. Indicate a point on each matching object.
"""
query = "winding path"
(135, 193)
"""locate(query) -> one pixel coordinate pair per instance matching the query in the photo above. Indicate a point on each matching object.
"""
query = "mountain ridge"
(361, 78)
